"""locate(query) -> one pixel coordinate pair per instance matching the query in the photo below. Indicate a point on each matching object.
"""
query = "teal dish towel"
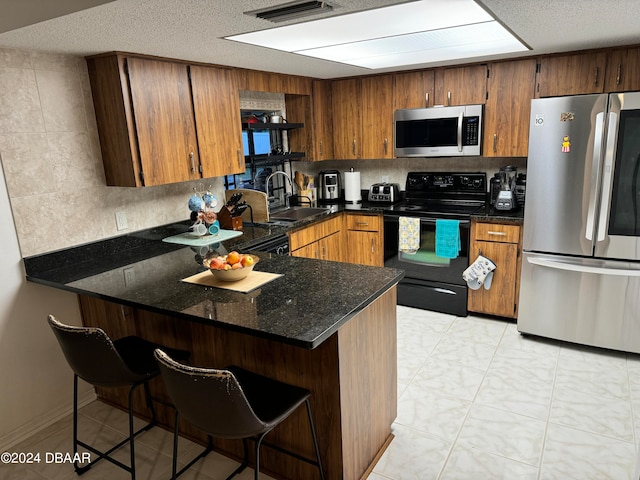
(448, 238)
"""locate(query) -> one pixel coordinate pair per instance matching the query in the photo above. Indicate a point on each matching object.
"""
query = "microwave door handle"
(595, 171)
(605, 199)
(460, 117)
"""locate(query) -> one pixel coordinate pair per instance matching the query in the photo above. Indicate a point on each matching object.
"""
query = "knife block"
(227, 221)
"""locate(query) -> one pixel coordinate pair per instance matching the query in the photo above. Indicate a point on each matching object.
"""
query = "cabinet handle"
(595, 80)
(619, 74)
(124, 315)
(354, 147)
(324, 252)
(320, 149)
(448, 99)
(193, 163)
(495, 142)
(386, 143)
(373, 250)
(240, 157)
(362, 223)
(501, 234)
(426, 99)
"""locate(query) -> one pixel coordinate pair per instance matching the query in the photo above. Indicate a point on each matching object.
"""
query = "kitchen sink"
(293, 214)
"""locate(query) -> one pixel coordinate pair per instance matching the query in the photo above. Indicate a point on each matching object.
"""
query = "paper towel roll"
(352, 193)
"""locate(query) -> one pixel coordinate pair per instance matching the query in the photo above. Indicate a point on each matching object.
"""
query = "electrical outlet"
(121, 221)
(384, 178)
(129, 276)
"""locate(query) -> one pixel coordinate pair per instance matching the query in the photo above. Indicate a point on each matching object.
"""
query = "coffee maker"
(507, 195)
(330, 187)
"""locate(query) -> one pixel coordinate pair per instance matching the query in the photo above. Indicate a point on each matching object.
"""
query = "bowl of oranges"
(231, 267)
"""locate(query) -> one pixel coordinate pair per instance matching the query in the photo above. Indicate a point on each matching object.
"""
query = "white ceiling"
(192, 29)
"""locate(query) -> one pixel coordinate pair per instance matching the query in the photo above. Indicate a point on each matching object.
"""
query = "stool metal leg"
(315, 439)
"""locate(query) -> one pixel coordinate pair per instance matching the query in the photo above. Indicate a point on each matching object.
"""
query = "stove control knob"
(464, 180)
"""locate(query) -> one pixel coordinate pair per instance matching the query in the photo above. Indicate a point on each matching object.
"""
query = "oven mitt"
(479, 272)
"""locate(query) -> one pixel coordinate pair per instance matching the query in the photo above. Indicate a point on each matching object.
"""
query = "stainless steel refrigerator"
(581, 246)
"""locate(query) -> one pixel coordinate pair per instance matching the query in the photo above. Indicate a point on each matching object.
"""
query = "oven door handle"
(425, 219)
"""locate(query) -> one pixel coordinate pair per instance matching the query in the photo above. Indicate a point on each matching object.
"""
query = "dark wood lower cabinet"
(352, 377)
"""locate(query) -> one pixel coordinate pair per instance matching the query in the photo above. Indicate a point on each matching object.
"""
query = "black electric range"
(433, 282)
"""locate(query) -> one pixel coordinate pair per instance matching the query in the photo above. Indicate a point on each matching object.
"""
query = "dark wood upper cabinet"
(315, 112)
(461, 85)
(510, 88)
(573, 74)
(376, 100)
(218, 122)
(347, 123)
(623, 70)
(413, 89)
(164, 120)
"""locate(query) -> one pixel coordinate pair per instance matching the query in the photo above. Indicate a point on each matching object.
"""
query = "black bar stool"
(232, 403)
(98, 360)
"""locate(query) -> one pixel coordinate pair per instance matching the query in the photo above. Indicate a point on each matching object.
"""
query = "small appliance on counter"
(506, 199)
(384, 193)
(330, 187)
(352, 192)
(521, 188)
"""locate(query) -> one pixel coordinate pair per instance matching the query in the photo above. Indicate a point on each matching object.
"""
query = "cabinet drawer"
(368, 223)
(315, 232)
(495, 232)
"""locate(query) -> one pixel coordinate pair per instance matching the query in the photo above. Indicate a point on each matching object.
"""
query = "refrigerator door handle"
(577, 267)
(605, 200)
(595, 173)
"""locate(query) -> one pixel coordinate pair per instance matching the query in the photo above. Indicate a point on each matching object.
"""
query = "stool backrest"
(210, 399)
(92, 355)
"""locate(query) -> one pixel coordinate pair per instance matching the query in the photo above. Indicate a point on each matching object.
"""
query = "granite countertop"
(304, 307)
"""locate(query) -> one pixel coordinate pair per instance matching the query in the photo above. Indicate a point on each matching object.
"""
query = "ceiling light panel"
(411, 33)
(467, 41)
(381, 22)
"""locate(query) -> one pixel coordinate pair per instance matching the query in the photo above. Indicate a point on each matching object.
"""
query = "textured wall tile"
(10, 57)
(27, 164)
(19, 102)
(62, 101)
(71, 156)
(56, 62)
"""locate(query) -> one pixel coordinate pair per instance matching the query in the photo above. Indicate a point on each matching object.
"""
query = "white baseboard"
(43, 421)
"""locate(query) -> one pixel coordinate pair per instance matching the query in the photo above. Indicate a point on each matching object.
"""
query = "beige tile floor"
(477, 401)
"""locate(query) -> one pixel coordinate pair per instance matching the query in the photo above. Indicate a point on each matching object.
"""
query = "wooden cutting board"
(249, 283)
(257, 200)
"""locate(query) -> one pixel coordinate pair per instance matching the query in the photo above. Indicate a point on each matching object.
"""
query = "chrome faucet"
(266, 184)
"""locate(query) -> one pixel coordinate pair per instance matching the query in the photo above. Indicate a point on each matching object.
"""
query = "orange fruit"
(233, 257)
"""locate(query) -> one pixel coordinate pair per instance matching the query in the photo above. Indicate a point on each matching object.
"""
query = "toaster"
(384, 192)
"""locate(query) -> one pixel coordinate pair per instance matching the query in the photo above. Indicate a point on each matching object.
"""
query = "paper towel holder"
(352, 191)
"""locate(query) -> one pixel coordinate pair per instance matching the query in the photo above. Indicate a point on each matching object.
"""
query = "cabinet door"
(510, 88)
(322, 120)
(376, 95)
(461, 85)
(413, 89)
(216, 102)
(364, 248)
(347, 124)
(164, 121)
(330, 248)
(500, 299)
(314, 111)
(571, 75)
(623, 70)
(308, 251)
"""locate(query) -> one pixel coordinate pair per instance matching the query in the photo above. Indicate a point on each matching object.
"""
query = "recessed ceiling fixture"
(411, 33)
(290, 10)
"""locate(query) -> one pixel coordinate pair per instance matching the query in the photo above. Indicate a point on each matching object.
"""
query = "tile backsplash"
(50, 153)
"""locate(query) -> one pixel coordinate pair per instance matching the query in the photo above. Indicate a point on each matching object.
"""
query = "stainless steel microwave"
(438, 131)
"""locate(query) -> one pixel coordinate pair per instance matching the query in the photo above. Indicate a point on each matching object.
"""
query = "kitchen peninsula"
(326, 326)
